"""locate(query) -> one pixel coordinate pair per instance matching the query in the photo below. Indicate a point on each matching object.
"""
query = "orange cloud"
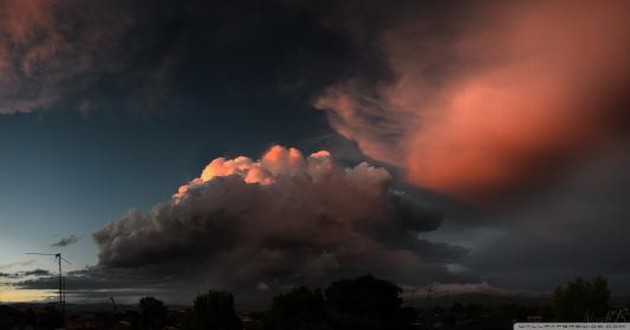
(526, 89)
(280, 161)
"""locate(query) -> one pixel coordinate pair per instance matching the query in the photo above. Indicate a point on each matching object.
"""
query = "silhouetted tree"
(299, 309)
(367, 303)
(215, 311)
(153, 313)
(580, 298)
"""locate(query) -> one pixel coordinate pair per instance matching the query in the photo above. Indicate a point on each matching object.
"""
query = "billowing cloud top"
(277, 219)
(277, 161)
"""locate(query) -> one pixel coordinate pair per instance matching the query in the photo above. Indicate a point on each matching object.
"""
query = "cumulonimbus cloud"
(491, 101)
(283, 218)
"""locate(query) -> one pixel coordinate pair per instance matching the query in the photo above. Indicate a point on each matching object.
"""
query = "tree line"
(365, 303)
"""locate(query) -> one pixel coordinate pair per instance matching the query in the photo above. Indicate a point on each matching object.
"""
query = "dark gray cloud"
(66, 241)
(85, 55)
(51, 49)
(37, 272)
(21, 274)
(577, 228)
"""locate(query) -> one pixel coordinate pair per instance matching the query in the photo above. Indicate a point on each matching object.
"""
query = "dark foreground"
(361, 303)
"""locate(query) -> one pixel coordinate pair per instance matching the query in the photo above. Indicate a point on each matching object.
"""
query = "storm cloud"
(579, 228)
(284, 219)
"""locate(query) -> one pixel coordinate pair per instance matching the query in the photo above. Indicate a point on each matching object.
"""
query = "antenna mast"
(62, 282)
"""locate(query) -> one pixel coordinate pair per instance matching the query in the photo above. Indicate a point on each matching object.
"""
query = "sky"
(168, 148)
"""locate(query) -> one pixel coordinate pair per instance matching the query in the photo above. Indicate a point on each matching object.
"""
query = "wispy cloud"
(66, 241)
(21, 274)
(17, 264)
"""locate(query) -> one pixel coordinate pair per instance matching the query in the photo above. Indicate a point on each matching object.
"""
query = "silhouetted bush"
(299, 309)
(214, 311)
(581, 298)
(153, 313)
(365, 303)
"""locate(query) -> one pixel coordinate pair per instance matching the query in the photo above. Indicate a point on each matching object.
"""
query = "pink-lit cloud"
(277, 161)
(516, 93)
